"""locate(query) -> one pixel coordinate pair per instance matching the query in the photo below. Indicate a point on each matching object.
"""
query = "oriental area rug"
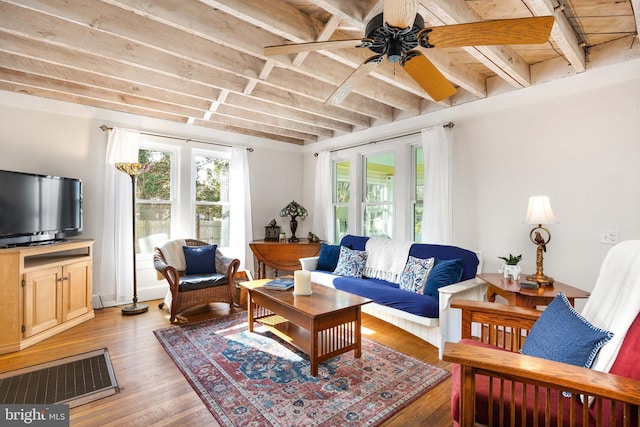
(257, 379)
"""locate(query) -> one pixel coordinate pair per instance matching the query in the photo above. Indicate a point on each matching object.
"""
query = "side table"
(516, 295)
(280, 256)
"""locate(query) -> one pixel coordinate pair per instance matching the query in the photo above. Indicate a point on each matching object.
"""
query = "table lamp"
(133, 170)
(294, 210)
(539, 212)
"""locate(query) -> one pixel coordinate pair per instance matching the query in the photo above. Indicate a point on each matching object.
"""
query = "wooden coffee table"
(322, 325)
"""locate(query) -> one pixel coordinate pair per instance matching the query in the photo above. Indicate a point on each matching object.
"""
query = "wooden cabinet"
(44, 290)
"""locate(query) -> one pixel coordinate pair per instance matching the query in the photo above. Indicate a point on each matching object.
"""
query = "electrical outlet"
(609, 237)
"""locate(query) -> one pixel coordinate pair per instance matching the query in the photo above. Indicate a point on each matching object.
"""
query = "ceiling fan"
(399, 30)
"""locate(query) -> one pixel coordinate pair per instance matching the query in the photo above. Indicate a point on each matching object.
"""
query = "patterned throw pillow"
(415, 273)
(351, 262)
(564, 335)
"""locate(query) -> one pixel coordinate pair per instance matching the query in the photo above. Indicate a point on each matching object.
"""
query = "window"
(341, 196)
(379, 184)
(154, 204)
(418, 192)
(211, 199)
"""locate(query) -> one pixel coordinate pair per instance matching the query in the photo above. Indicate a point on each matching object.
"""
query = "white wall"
(57, 138)
(582, 150)
(575, 139)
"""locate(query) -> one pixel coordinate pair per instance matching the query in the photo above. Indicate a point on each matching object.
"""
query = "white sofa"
(446, 327)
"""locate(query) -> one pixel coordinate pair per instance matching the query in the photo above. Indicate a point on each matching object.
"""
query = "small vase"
(512, 271)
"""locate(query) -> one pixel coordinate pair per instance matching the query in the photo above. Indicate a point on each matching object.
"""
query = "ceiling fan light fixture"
(394, 51)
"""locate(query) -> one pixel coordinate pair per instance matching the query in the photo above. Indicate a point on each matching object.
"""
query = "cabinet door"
(42, 300)
(76, 297)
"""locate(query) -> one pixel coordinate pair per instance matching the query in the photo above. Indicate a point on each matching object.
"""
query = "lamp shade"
(294, 209)
(539, 211)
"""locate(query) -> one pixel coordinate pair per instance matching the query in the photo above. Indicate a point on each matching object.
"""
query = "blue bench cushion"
(201, 281)
(390, 295)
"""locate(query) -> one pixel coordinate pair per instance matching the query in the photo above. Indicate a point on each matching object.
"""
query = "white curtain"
(322, 215)
(115, 264)
(241, 232)
(436, 219)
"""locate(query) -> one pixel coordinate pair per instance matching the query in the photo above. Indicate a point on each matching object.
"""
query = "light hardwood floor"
(154, 392)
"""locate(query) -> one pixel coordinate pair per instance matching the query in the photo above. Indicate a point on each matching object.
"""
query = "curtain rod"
(449, 125)
(106, 128)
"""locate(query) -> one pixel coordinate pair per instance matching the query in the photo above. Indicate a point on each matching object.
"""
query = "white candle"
(302, 282)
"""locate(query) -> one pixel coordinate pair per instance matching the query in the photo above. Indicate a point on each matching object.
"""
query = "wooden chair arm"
(498, 324)
(496, 309)
(541, 372)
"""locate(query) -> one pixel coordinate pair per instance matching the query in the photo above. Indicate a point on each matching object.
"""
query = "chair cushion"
(626, 365)
(328, 259)
(563, 335)
(201, 281)
(351, 262)
(200, 259)
(444, 273)
(482, 400)
(415, 273)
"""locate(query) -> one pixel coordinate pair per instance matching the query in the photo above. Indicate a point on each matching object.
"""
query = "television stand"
(44, 289)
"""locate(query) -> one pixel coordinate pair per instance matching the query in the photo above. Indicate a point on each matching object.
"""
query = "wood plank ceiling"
(201, 61)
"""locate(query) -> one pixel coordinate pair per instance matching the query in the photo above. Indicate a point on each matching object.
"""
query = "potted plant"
(510, 268)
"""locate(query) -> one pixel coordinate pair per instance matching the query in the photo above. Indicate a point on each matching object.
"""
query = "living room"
(575, 139)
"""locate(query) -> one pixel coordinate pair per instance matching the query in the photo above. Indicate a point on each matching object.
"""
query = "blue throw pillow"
(415, 273)
(350, 263)
(563, 335)
(328, 259)
(200, 259)
(445, 272)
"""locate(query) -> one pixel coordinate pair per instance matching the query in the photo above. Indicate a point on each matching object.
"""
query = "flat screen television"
(38, 209)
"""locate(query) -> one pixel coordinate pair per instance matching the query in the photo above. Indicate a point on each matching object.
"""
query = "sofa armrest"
(451, 319)
(309, 263)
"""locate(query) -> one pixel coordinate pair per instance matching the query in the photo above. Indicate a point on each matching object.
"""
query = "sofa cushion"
(200, 259)
(201, 281)
(351, 262)
(415, 273)
(563, 335)
(328, 259)
(354, 242)
(390, 295)
(443, 252)
(444, 273)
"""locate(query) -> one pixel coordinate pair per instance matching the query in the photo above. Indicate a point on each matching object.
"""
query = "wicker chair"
(180, 297)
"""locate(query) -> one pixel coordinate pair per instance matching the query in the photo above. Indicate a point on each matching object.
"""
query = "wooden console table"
(280, 256)
(525, 297)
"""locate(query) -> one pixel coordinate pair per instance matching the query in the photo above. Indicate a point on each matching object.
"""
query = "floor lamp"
(133, 170)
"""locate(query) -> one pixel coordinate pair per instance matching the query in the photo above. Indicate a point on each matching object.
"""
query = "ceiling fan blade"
(534, 30)
(428, 76)
(347, 86)
(400, 13)
(284, 49)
